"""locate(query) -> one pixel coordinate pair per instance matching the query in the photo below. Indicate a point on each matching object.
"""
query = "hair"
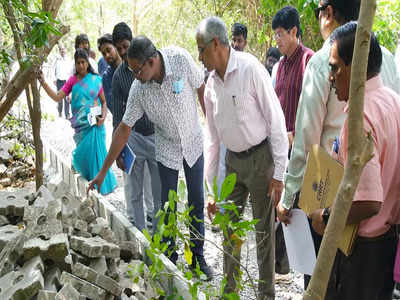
(141, 49)
(121, 32)
(287, 18)
(81, 38)
(274, 52)
(212, 27)
(344, 10)
(345, 36)
(82, 53)
(105, 39)
(239, 29)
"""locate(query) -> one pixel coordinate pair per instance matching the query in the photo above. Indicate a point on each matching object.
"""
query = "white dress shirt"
(243, 110)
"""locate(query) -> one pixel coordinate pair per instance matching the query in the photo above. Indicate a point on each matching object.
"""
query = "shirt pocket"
(242, 104)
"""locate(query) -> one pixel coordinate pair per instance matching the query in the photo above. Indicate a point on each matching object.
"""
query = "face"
(206, 53)
(84, 45)
(285, 39)
(62, 52)
(238, 42)
(122, 48)
(109, 53)
(270, 62)
(324, 20)
(141, 71)
(339, 75)
(81, 66)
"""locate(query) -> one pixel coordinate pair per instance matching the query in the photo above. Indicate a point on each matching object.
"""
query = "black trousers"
(59, 84)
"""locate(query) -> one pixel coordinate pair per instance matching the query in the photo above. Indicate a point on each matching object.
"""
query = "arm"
(200, 93)
(52, 94)
(101, 119)
(119, 140)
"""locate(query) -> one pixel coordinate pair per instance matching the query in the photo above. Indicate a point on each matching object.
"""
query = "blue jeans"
(194, 183)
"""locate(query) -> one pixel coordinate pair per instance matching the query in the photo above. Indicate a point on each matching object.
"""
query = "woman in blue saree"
(87, 93)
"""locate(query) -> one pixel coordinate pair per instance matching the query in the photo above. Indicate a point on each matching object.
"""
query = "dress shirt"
(397, 57)
(172, 107)
(289, 79)
(62, 68)
(107, 86)
(121, 84)
(243, 110)
(380, 178)
(320, 117)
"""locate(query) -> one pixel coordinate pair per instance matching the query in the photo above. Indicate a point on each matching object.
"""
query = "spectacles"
(201, 49)
(139, 70)
(319, 9)
(279, 35)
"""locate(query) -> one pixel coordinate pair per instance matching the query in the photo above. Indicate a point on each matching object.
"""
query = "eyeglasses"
(279, 35)
(319, 9)
(138, 71)
(201, 49)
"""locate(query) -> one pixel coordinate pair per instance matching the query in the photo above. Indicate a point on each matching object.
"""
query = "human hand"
(98, 180)
(120, 163)
(211, 208)
(100, 120)
(290, 138)
(317, 221)
(40, 76)
(275, 191)
(284, 214)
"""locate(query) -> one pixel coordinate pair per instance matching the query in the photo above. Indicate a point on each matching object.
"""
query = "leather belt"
(249, 151)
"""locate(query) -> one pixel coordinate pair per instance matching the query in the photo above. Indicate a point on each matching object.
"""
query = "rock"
(3, 169)
(130, 250)
(113, 268)
(4, 220)
(10, 254)
(5, 182)
(52, 279)
(81, 225)
(86, 211)
(7, 234)
(85, 288)
(46, 295)
(99, 265)
(94, 247)
(67, 293)
(25, 283)
(44, 197)
(5, 148)
(11, 205)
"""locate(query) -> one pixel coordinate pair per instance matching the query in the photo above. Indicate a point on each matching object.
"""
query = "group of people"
(261, 120)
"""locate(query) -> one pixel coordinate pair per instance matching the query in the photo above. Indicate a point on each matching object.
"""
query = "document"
(129, 158)
(299, 243)
(94, 111)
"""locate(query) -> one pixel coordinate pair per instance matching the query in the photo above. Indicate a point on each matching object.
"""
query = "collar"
(371, 85)
(231, 66)
(167, 64)
(295, 53)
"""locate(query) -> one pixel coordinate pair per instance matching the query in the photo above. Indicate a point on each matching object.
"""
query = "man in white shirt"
(244, 113)
(62, 71)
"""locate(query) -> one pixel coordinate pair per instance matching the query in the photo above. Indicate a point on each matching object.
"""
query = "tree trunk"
(359, 153)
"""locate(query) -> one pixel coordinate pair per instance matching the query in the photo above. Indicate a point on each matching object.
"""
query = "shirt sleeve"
(273, 115)
(212, 141)
(134, 110)
(67, 87)
(310, 117)
(195, 75)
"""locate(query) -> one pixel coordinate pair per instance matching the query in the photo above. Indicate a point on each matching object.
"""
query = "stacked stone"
(53, 246)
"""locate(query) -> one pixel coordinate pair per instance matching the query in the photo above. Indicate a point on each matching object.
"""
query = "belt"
(249, 151)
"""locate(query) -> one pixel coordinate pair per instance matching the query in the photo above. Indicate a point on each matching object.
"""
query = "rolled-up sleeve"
(275, 120)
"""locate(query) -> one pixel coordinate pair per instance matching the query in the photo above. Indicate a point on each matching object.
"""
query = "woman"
(87, 92)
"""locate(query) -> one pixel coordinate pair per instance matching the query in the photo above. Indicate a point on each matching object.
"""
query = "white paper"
(299, 243)
(95, 110)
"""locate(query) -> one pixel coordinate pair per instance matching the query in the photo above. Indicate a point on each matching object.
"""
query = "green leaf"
(188, 254)
(227, 186)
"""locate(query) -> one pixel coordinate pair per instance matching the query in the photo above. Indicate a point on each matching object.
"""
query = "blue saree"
(90, 151)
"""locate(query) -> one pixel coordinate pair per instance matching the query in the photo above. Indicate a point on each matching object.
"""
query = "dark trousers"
(194, 183)
(59, 84)
(317, 239)
(367, 273)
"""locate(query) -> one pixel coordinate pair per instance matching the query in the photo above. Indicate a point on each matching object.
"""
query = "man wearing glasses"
(140, 184)
(168, 81)
(320, 115)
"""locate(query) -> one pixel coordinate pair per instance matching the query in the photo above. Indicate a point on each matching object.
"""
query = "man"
(239, 36)
(102, 65)
(244, 114)
(320, 115)
(271, 58)
(141, 139)
(113, 60)
(167, 81)
(367, 273)
(82, 41)
(62, 71)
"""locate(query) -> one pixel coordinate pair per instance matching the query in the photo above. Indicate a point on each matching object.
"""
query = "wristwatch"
(325, 215)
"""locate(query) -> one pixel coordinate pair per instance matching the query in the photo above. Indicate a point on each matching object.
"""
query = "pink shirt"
(242, 110)
(380, 179)
(67, 87)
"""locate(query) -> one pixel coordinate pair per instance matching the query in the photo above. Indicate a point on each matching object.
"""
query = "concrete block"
(83, 287)
(81, 225)
(113, 268)
(99, 265)
(11, 205)
(52, 279)
(23, 284)
(83, 234)
(130, 250)
(99, 280)
(94, 247)
(10, 254)
(46, 295)
(53, 250)
(43, 221)
(4, 220)
(86, 211)
(43, 197)
(7, 234)
(79, 258)
(68, 292)
(97, 226)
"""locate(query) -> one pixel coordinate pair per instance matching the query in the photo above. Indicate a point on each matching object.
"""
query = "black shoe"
(203, 267)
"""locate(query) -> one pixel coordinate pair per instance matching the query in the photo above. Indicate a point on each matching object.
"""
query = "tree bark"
(359, 153)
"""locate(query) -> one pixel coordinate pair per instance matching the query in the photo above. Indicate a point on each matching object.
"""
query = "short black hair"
(345, 36)
(239, 29)
(81, 38)
(121, 32)
(82, 53)
(141, 49)
(344, 10)
(287, 18)
(104, 39)
(274, 52)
